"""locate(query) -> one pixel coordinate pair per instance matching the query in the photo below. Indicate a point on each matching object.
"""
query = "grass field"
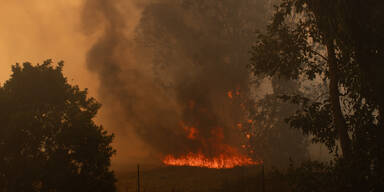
(190, 179)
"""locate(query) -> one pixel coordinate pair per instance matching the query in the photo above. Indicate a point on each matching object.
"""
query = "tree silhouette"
(48, 140)
(323, 41)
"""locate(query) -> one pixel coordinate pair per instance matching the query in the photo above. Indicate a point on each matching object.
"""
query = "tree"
(294, 48)
(48, 140)
(315, 41)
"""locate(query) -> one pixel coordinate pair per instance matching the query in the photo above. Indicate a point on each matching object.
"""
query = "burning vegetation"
(213, 151)
(230, 159)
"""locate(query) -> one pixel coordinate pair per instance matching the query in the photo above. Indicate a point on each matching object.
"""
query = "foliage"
(48, 140)
(314, 41)
(271, 138)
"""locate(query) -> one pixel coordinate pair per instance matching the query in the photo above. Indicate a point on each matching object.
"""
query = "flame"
(238, 92)
(224, 155)
(221, 161)
(230, 94)
(227, 156)
(192, 133)
(239, 125)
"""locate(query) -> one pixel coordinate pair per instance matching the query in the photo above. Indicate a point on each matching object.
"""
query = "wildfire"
(222, 161)
(225, 155)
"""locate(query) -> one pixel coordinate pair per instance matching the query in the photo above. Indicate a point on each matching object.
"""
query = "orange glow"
(192, 133)
(225, 156)
(230, 94)
(222, 161)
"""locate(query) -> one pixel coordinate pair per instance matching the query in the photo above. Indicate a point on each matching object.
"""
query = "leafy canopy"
(48, 139)
(337, 43)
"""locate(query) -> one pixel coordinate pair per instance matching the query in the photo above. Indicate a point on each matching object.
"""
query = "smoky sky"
(183, 65)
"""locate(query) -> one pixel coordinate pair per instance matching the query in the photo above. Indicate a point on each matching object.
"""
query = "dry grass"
(189, 179)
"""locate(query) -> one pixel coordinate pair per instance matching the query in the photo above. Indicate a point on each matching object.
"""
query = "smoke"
(175, 71)
(36, 30)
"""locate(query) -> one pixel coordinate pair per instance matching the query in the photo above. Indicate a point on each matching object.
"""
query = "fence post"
(262, 178)
(138, 177)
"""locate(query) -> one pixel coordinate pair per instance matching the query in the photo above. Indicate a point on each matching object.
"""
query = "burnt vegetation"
(241, 86)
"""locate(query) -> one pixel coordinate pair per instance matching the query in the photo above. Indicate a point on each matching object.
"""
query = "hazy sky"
(35, 30)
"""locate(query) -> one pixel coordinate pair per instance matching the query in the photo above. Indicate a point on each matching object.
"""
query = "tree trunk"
(338, 117)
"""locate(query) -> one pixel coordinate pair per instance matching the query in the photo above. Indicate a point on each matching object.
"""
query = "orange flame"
(222, 161)
(230, 94)
(226, 156)
(192, 132)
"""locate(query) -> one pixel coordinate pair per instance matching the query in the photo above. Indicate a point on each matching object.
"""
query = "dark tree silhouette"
(48, 140)
(340, 43)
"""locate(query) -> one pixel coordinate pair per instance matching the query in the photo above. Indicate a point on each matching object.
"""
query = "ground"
(188, 179)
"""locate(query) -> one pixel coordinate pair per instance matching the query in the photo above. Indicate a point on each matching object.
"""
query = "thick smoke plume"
(179, 75)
